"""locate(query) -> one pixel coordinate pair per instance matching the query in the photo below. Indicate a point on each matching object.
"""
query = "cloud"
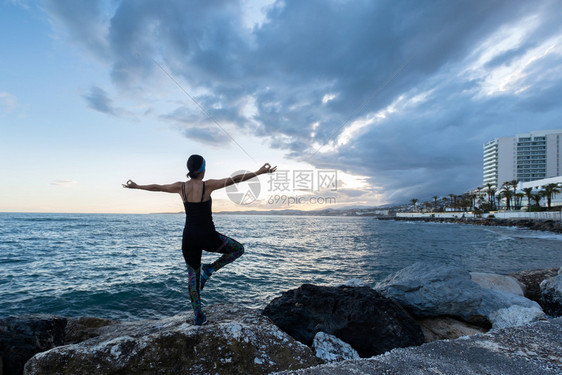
(64, 183)
(8, 102)
(98, 100)
(404, 93)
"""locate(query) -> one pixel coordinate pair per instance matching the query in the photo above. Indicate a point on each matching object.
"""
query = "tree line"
(489, 198)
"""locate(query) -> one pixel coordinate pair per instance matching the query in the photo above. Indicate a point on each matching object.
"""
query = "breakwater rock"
(532, 349)
(336, 322)
(235, 341)
(369, 322)
(544, 225)
(426, 289)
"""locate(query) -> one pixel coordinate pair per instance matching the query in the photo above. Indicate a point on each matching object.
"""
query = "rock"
(501, 309)
(532, 280)
(235, 341)
(426, 289)
(446, 328)
(551, 295)
(532, 349)
(361, 317)
(23, 336)
(84, 328)
(515, 316)
(494, 281)
(331, 349)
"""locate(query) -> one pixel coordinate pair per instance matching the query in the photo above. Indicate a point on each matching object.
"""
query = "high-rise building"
(524, 157)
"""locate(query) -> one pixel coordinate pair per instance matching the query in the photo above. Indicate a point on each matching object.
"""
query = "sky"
(392, 100)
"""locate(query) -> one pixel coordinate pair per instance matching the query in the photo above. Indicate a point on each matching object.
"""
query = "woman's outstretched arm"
(169, 188)
(219, 184)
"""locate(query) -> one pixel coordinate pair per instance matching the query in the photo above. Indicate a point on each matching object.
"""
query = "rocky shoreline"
(424, 317)
(542, 225)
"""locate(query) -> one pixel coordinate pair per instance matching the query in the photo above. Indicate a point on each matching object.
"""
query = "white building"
(524, 157)
(539, 185)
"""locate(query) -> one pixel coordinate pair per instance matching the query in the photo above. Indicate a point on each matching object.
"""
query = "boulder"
(515, 315)
(551, 295)
(532, 280)
(235, 341)
(331, 349)
(446, 328)
(361, 317)
(23, 336)
(426, 290)
(503, 309)
(494, 281)
(532, 349)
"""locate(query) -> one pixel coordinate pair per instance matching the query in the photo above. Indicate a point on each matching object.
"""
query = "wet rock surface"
(532, 349)
(369, 322)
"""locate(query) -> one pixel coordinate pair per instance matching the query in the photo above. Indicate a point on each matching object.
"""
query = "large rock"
(532, 279)
(551, 294)
(531, 350)
(426, 289)
(23, 336)
(361, 317)
(235, 341)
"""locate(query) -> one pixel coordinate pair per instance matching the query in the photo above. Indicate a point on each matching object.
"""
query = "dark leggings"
(192, 249)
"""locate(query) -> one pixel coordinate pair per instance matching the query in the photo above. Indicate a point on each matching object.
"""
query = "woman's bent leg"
(232, 250)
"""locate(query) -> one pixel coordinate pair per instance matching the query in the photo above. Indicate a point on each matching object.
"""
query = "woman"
(199, 232)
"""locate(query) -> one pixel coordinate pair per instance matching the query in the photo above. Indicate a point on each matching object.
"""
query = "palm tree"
(528, 192)
(453, 200)
(435, 197)
(549, 191)
(536, 197)
(445, 200)
(514, 184)
(519, 200)
(491, 191)
(414, 201)
(507, 194)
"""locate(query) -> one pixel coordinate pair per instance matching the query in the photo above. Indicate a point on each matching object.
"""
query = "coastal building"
(524, 157)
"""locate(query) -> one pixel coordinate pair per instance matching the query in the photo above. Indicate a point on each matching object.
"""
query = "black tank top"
(198, 214)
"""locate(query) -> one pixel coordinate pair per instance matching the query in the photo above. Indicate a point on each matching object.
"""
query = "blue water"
(131, 267)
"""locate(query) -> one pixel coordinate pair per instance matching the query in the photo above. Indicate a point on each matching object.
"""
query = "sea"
(130, 267)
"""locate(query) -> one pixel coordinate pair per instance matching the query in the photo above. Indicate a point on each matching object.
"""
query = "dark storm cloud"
(312, 68)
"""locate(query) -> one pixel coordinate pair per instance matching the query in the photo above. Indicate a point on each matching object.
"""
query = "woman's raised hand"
(131, 185)
(266, 168)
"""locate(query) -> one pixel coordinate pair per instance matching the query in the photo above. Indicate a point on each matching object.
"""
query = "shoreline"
(532, 224)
